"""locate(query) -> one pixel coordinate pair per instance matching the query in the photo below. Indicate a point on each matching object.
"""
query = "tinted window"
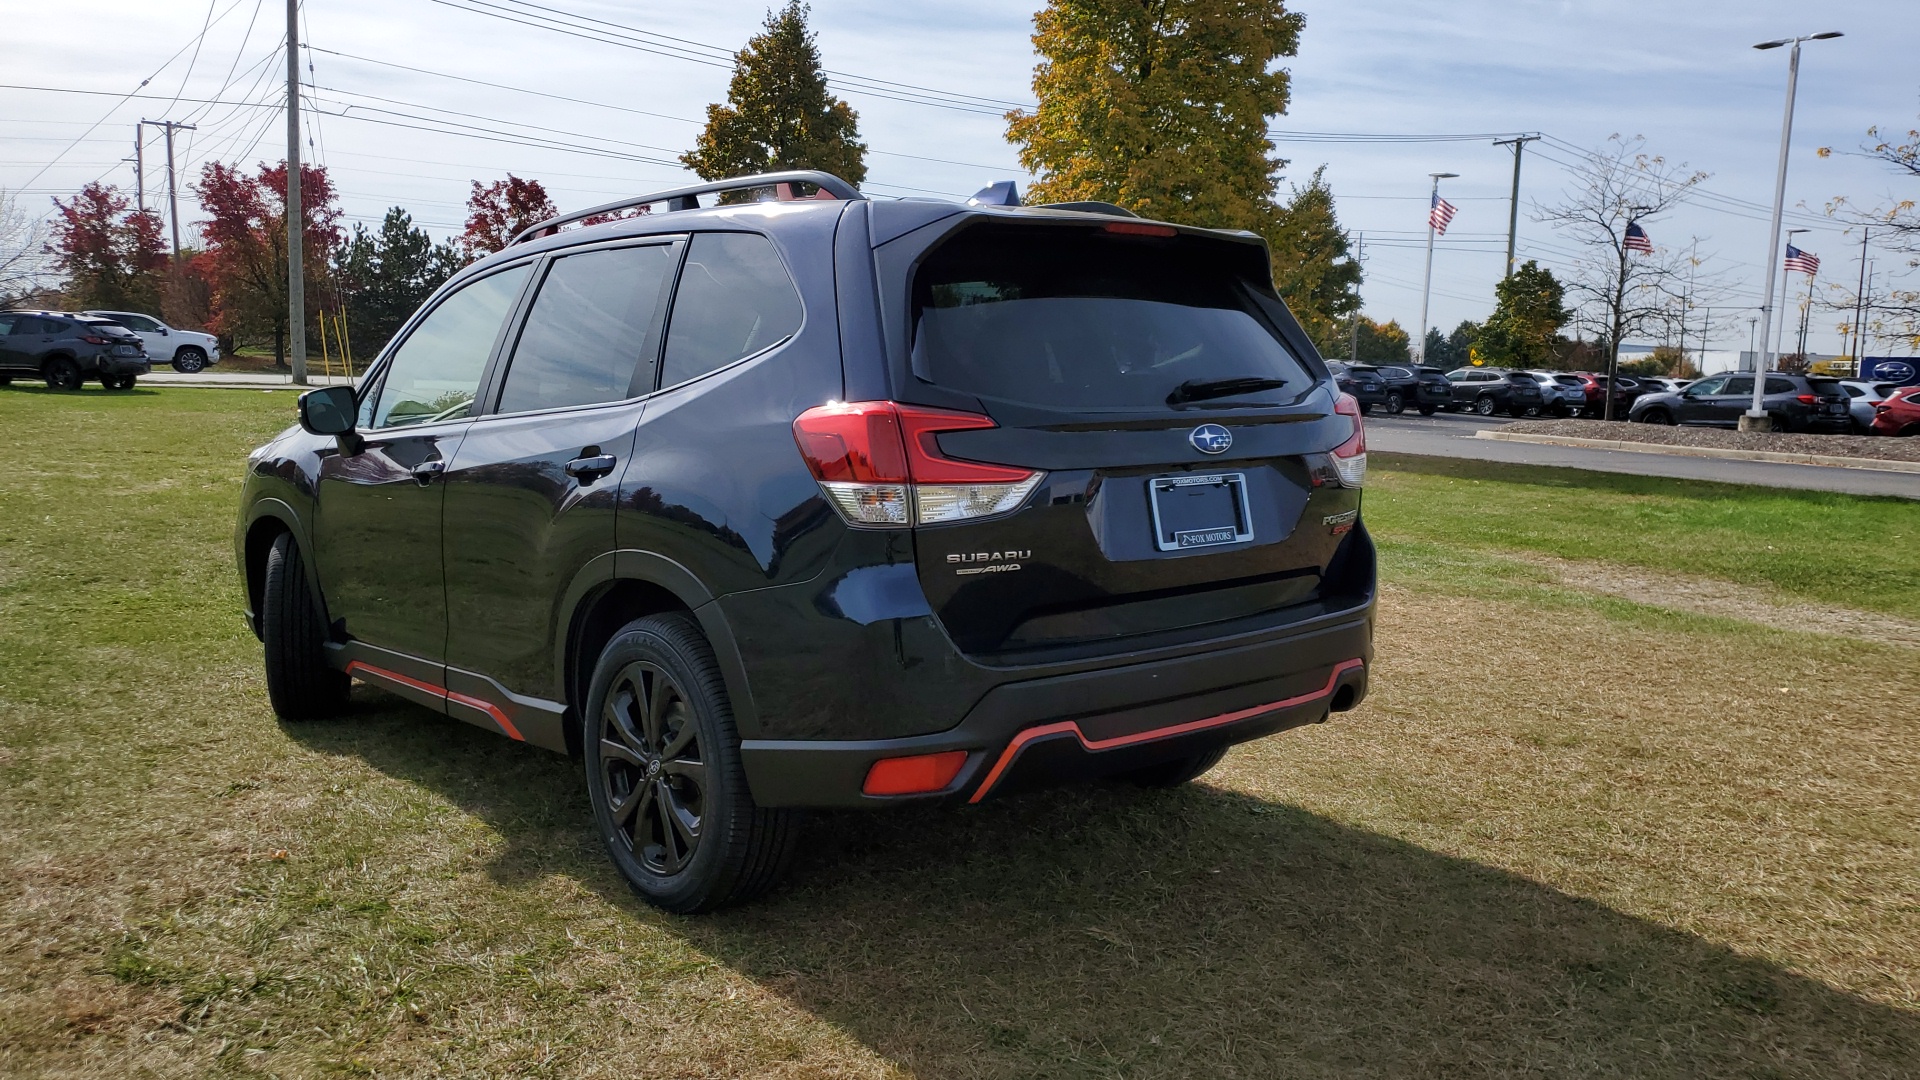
(1852, 390)
(734, 300)
(435, 373)
(1336, 367)
(1567, 380)
(6, 322)
(1826, 387)
(1742, 384)
(1780, 386)
(594, 331)
(40, 324)
(1708, 386)
(1081, 319)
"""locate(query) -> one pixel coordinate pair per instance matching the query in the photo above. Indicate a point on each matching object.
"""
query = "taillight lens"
(91, 340)
(1350, 457)
(1806, 399)
(880, 465)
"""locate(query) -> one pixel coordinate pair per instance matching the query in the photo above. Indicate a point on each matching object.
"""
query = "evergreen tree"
(1313, 268)
(384, 276)
(1529, 310)
(779, 113)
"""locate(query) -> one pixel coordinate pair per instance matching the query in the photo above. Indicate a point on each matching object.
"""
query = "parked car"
(677, 493)
(1660, 384)
(1426, 388)
(1865, 395)
(67, 350)
(1490, 390)
(1561, 394)
(1362, 381)
(1899, 413)
(187, 350)
(1596, 386)
(1792, 403)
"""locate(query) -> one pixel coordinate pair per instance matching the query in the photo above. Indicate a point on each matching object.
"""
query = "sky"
(405, 116)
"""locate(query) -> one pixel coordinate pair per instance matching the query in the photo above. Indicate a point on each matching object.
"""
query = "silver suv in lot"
(1561, 393)
(187, 350)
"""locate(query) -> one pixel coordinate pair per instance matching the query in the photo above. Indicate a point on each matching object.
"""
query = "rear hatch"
(1830, 398)
(1526, 389)
(1185, 427)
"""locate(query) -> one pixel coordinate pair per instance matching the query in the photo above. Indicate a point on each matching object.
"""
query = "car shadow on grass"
(1198, 932)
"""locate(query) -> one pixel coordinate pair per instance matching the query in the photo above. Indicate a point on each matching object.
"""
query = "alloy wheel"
(651, 767)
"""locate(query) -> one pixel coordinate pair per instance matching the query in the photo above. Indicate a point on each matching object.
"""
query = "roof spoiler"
(687, 198)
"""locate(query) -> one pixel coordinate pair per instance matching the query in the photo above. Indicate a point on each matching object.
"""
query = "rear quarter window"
(734, 300)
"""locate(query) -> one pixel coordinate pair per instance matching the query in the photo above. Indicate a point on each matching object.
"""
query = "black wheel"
(1429, 410)
(1655, 416)
(663, 771)
(63, 374)
(6, 380)
(1176, 772)
(1485, 405)
(1395, 404)
(299, 683)
(1366, 409)
(189, 360)
(117, 382)
(1530, 410)
(1776, 423)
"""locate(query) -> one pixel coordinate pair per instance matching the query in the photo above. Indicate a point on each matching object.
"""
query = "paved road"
(1451, 435)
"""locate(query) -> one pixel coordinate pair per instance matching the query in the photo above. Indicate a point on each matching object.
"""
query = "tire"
(63, 374)
(117, 382)
(1776, 423)
(6, 380)
(658, 733)
(1655, 416)
(1530, 410)
(1366, 409)
(1485, 405)
(1168, 774)
(299, 683)
(1429, 410)
(189, 360)
(1395, 404)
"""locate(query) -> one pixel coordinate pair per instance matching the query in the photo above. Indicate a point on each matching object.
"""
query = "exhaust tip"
(1345, 698)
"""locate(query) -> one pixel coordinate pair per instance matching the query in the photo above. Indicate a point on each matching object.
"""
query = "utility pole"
(173, 195)
(296, 214)
(1426, 288)
(1860, 313)
(1806, 313)
(1751, 347)
(1519, 143)
(140, 167)
(1359, 256)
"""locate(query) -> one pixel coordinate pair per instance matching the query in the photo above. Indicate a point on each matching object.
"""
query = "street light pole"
(1426, 287)
(296, 213)
(1756, 416)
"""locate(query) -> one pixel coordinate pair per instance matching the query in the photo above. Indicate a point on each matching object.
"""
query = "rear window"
(1053, 317)
(1822, 387)
(1567, 380)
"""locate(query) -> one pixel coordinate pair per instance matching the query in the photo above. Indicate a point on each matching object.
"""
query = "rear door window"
(1069, 319)
(734, 300)
(593, 333)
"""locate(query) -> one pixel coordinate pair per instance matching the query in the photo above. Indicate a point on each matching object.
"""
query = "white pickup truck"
(187, 350)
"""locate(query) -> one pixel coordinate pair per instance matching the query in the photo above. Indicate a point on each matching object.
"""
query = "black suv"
(803, 500)
(1792, 403)
(1363, 381)
(1490, 390)
(1426, 388)
(67, 350)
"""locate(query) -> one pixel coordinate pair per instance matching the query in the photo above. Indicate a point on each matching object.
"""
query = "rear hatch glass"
(1101, 357)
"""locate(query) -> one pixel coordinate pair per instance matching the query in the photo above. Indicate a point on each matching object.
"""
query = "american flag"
(1638, 240)
(1804, 261)
(1440, 215)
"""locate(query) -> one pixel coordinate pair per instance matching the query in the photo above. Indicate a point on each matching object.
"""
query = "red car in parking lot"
(1899, 414)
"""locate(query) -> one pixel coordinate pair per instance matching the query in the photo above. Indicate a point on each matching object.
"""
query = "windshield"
(1058, 317)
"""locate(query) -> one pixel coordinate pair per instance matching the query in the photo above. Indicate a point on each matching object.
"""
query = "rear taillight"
(1806, 399)
(880, 464)
(96, 340)
(1350, 457)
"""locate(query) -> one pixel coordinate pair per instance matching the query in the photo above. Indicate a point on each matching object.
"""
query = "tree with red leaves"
(113, 256)
(499, 211)
(245, 261)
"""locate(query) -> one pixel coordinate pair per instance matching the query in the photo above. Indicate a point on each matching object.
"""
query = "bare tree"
(1616, 291)
(23, 256)
(1895, 308)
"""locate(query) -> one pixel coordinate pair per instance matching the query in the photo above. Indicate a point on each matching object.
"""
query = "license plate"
(1199, 510)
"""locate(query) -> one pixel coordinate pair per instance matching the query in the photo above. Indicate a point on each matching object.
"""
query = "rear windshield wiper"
(1202, 389)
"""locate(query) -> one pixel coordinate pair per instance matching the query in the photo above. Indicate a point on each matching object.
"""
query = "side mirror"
(163, 331)
(328, 411)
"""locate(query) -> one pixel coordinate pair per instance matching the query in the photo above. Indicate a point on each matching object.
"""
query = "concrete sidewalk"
(241, 380)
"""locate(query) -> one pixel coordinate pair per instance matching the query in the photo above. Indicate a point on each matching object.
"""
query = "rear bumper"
(122, 365)
(1044, 731)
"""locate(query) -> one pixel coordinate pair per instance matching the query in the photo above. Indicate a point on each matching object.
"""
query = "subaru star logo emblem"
(1893, 371)
(1211, 439)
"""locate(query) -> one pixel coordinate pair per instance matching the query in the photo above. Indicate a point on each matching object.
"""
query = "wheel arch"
(615, 589)
(266, 521)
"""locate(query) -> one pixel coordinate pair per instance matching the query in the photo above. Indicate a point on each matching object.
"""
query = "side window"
(594, 331)
(1741, 384)
(1779, 386)
(7, 321)
(1708, 386)
(734, 300)
(435, 373)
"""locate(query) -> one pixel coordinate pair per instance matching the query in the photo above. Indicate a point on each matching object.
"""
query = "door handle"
(424, 472)
(589, 469)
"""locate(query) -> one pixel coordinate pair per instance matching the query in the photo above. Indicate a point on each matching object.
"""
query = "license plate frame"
(1169, 536)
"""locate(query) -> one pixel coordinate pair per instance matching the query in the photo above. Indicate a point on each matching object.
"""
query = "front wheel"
(189, 360)
(63, 374)
(1429, 410)
(1485, 406)
(663, 766)
(1654, 416)
(117, 382)
(1395, 403)
(1173, 773)
(299, 683)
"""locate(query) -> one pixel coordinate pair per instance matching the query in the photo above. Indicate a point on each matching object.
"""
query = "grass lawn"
(1570, 834)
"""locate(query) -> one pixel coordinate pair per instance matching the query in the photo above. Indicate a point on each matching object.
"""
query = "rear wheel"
(1173, 773)
(1655, 416)
(1429, 410)
(1776, 423)
(6, 380)
(1395, 404)
(664, 774)
(1366, 409)
(63, 374)
(299, 683)
(117, 382)
(1485, 405)
(189, 360)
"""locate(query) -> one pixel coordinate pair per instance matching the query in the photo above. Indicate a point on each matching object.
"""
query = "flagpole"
(1426, 286)
(1786, 284)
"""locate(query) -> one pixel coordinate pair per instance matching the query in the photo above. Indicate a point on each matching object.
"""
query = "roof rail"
(685, 198)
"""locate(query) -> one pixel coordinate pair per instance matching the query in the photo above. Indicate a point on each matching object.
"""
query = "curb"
(234, 384)
(1834, 461)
